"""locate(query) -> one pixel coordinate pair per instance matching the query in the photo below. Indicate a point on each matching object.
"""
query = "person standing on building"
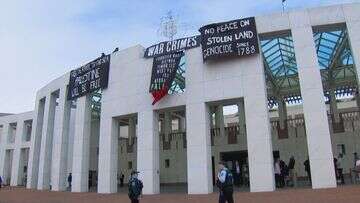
(135, 187)
(307, 168)
(340, 168)
(69, 179)
(225, 183)
(291, 167)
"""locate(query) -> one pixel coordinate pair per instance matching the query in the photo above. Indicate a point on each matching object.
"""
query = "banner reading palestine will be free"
(89, 78)
(163, 74)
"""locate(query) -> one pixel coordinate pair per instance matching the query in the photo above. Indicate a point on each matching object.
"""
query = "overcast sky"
(41, 40)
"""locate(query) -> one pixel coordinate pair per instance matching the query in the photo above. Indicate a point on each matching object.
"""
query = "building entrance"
(237, 162)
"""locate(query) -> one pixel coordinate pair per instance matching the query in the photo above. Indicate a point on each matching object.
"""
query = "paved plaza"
(340, 194)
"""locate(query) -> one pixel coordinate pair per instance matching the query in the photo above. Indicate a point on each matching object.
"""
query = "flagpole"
(283, 5)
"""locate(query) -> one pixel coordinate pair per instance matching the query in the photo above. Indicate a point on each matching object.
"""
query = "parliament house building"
(246, 92)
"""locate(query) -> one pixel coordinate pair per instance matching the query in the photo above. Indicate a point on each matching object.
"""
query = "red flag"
(163, 74)
(158, 94)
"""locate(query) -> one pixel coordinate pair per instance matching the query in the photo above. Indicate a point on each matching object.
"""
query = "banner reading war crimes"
(172, 46)
(88, 78)
(163, 74)
(232, 38)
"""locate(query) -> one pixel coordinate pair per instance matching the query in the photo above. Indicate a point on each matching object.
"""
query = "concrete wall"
(12, 160)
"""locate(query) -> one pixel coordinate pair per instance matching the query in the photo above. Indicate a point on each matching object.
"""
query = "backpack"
(229, 179)
(132, 189)
(135, 187)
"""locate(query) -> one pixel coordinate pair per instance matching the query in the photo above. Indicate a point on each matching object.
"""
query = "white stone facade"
(64, 140)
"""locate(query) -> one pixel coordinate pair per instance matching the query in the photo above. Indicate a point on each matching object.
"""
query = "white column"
(15, 169)
(282, 112)
(352, 18)
(258, 133)
(21, 167)
(81, 154)
(3, 143)
(219, 119)
(108, 155)
(182, 124)
(132, 128)
(167, 124)
(34, 153)
(198, 149)
(148, 151)
(241, 116)
(46, 143)
(259, 143)
(333, 106)
(60, 148)
(316, 122)
(211, 111)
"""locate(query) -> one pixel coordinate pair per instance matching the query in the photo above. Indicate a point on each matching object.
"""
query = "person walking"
(69, 179)
(135, 187)
(0, 182)
(225, 183)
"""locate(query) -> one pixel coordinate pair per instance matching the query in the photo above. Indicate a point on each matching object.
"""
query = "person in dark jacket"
(284, 173)
(135, 187)
(69, 179)
(356, 157)
(225, 183)
(340, 168)
(0, 182)
(291, 167)
(122, 180)
(307, 168)
(336, 169)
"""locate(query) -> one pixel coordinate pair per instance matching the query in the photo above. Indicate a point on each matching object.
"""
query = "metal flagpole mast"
(283, 5)
(168, 26)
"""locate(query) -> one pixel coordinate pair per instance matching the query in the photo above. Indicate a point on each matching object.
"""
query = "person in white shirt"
(357, 169)
(225, 184)
(277, 171)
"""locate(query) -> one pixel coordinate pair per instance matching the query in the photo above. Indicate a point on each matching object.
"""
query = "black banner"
(172, 46)
(163, 74)
(88, 78)
(232, 38)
